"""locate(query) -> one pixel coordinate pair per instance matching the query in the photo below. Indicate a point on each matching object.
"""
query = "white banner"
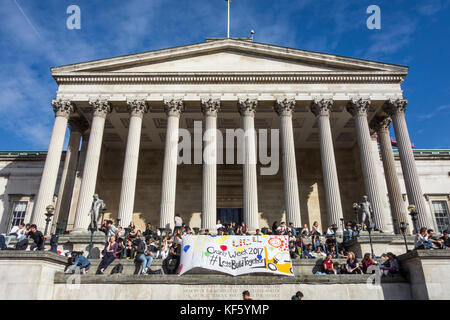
(236, 255)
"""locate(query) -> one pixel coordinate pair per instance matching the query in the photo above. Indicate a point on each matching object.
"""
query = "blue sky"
(34, 37)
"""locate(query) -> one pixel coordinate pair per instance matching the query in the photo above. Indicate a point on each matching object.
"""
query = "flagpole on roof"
(228, 24)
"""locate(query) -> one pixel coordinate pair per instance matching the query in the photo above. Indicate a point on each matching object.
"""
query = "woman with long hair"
(352, 265)
(367, 262)
(109, 254)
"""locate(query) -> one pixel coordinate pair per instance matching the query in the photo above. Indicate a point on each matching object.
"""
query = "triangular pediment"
(228, 55)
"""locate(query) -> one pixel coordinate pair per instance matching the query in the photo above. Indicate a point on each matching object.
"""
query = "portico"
(324, 106)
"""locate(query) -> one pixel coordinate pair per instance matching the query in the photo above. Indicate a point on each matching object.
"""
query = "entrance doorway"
(227, 215)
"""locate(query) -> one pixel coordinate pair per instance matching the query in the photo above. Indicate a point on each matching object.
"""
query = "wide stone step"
(61, 278)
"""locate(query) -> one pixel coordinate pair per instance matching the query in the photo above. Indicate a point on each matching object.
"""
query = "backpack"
(117, 270)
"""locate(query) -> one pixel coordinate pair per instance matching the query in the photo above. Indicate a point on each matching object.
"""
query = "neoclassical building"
(333, 114)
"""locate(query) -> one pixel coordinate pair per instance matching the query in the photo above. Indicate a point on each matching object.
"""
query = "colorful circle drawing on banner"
(186, 248)
(279, 243)
(275, 242)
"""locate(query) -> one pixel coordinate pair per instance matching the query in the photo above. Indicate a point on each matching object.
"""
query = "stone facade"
(132, 109)
(20, 176)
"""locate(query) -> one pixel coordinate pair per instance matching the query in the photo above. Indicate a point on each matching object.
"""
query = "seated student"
(305, 231)
(390, 266)
(109, 254)
(120, 254)
(293, 250)
(130, 250)
(318, 243)
(308, 252)
(352, 265)
(281, 229)
(290, 236)
(348, 234)
(421, 240)
(144, 252)
(319, 253)
(332, 251)
(148, 231)
(79, 261)
(367, 262)
(315, 230)
(17, 232)
(437, 243)
(292, 229)
(343, 253)
(171, 263)
(328, 265)
(445, 240)
(330, 243)
(38, 238)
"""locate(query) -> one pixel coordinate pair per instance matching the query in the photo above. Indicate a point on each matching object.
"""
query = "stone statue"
(367, 212)
(97, 205)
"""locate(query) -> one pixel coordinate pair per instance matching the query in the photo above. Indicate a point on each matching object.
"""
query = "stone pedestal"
(428, 273)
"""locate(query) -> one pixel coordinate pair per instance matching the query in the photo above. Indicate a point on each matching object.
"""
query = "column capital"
(78, 124)
(101, 107)
(285, 106)
(137, 107)
(358, 106)
(247, 107)
(322, 107)
(210, 106)
(381, 124)
(395, 106)
(63, 108)
(173, 107)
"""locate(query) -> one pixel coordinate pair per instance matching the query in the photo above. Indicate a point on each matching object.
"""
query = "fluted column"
(397, 205)
(136, 108)
(63, 109)
(82, 220)
(210, 108)
(78, 179)
(77, 127)
(359, 108)
(173, 109)
(396, 110)
(247, 108)
(284, 108)
(322, 109)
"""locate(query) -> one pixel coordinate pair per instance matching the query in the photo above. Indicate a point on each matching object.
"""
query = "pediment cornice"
(228, 45)
(235, 77)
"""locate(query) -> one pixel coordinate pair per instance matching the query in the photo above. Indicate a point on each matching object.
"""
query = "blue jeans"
(80, 262)
(146, 261)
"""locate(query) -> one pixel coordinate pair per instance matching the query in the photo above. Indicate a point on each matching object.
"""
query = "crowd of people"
(156, 243)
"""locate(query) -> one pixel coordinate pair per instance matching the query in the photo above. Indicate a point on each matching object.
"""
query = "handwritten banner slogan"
(236, 255)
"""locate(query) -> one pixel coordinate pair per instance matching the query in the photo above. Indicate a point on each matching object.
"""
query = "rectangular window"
(18, 212)
(440, 209)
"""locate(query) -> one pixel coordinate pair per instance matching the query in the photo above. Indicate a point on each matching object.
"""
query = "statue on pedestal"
(97, 205)
(367, 212)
